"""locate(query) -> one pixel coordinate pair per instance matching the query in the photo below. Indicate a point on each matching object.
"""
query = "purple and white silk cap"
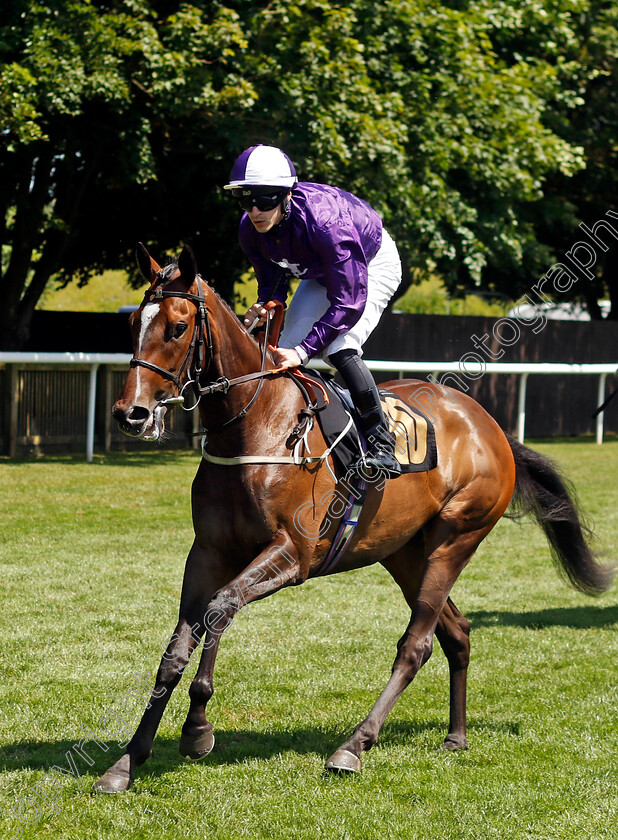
(262, 166)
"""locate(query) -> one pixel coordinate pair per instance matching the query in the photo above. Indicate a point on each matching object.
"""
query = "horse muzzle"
(139, 422)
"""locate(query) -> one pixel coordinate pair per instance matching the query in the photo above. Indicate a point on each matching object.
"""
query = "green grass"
(91, 562)
(103, 293)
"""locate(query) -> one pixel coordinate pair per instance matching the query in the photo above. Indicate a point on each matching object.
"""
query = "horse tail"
(541, 490)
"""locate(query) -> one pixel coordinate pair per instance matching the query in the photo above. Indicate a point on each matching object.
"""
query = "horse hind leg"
(448, 553)
(453, 633)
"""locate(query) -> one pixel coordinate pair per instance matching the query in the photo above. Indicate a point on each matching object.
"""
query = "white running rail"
(94, 360)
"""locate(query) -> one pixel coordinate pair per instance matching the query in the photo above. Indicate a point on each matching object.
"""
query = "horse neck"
(234, 354)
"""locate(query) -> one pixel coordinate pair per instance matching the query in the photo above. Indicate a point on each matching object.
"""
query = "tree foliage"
(579, 40)
(482, 131)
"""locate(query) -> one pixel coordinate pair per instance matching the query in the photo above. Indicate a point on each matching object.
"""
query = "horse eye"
(179, 329)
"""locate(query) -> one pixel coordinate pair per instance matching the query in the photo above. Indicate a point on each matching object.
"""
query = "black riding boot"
(380, 442)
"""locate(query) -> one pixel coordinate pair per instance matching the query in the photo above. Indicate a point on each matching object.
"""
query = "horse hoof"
(453, 742)
(196, 748)
(117, 779)
(343, 761)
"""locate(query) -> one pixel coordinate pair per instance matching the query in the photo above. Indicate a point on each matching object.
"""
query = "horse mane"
(168, 272)
(226, 306)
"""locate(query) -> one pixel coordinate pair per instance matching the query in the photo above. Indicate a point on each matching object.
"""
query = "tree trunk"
(22, 296)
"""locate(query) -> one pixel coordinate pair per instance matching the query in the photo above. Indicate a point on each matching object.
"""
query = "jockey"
(349, 269)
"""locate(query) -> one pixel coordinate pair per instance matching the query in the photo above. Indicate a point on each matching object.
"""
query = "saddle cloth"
(415, 438)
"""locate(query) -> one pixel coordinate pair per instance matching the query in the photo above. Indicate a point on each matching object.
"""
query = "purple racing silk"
(330, 236)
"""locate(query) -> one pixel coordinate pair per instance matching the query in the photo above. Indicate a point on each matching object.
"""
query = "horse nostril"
(130, 418)
(137, 414)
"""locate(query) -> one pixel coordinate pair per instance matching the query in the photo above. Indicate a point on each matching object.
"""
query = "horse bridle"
(201, 331)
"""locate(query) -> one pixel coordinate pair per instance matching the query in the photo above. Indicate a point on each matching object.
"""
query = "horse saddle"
(414, 433)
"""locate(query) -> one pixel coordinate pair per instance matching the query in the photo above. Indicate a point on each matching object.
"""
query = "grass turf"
(91, 563)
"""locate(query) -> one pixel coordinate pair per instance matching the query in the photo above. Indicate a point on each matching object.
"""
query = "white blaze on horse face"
(149, 312)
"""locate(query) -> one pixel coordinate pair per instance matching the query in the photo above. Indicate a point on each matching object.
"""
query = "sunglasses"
(248, 199)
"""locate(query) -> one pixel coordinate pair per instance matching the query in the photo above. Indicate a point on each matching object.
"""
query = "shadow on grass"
(576, 617)
(136, 458)
(143, 458)
(232, 746)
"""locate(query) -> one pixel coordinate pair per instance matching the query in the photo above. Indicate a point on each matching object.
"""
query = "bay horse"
(249, 538)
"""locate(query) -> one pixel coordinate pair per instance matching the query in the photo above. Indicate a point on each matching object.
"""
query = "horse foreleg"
(276, 567)
(119, 777)
(203, 575)
(448, 554)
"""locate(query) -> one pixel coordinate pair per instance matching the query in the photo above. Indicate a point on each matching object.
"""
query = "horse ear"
(148, 267)
(188, 266)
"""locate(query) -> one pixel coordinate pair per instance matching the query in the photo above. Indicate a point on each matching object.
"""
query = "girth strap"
(347, 525)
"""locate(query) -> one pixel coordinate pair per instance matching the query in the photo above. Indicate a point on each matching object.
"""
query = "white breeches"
(310, 303)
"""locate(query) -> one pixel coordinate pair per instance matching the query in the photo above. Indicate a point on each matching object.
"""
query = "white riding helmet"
(262, 166)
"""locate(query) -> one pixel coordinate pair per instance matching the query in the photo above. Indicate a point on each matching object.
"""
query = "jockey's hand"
(256, 311)
(285, 358)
